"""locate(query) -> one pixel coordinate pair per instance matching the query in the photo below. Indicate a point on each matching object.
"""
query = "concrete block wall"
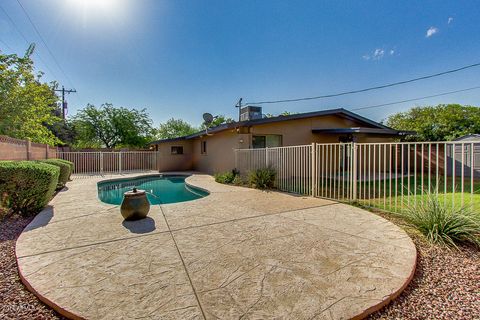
(18, 149)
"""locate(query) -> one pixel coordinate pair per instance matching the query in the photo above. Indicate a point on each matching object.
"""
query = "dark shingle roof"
(340, 111)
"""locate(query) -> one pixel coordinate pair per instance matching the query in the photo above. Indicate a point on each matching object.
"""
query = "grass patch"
(444, 225)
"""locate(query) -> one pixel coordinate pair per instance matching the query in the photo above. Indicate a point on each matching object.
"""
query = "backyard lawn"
(397, 194)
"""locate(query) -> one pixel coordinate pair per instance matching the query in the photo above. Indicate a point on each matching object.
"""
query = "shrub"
(263, 178)
(27, 186)
(443, 224)
(70, 163)
(224, 177)
(65, 171)
(238, 181)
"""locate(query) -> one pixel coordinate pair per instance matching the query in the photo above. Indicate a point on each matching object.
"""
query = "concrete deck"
(236, 254)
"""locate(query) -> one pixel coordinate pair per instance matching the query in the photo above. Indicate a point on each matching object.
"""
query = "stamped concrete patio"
(237, 253)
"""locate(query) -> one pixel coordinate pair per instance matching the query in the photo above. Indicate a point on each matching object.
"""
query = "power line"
(26, 41)
(6, 45)
(371, 88)
(45, 44)
(414, 99)
(64, 103)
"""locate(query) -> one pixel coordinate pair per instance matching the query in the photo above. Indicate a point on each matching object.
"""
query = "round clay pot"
(135, 205)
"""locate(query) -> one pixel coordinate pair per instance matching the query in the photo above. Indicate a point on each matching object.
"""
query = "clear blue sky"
(182, 58)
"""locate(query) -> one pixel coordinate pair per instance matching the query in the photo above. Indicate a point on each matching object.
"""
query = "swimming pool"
(161, 189)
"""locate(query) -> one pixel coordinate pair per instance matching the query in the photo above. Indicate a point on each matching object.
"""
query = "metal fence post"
(314, 171)
(120, 162)
(101, 163)
(354, 172)
(266, 157)
(235, 152)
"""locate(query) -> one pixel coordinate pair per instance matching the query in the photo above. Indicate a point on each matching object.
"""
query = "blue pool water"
(162, 189)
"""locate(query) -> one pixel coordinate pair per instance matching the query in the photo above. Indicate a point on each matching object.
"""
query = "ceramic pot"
(135, 205)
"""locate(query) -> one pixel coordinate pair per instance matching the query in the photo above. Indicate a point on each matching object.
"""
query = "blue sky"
(182, 58)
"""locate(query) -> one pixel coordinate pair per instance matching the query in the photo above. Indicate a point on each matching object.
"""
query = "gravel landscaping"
(16, 301)
(446, 283)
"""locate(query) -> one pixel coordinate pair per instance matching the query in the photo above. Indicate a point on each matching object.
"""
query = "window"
(203, 147)
(267, 141)
(176, 150)
(258, 142)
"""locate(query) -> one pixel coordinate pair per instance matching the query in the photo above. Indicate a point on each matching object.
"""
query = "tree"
(443, 122)
(175, 128)
(64, 131)
(218, 120)
(112, 127)
(284, 113)
(26, 103)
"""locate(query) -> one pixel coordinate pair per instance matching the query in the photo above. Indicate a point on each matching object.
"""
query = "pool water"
(160, 189)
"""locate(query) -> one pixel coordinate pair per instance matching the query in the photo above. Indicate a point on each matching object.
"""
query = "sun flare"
(94, 4)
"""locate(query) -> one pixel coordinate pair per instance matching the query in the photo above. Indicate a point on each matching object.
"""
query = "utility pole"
(64, 103)
(239, 106)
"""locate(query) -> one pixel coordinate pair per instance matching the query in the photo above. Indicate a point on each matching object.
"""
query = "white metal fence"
(110, 162)
(292, 164)
(391, 176)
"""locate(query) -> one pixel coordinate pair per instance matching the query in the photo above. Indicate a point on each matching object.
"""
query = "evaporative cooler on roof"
(250, 113)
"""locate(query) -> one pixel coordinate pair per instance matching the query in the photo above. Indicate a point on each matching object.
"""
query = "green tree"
(284, 113)
(112, 127)
(443, 122)
(27, 104)
(218, 120)
(175, 128)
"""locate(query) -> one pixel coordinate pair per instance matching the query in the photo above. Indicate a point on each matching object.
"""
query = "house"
(211, 150)
(469, 138)
(466, 164)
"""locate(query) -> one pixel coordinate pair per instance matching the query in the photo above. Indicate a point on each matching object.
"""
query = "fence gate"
(335, 171)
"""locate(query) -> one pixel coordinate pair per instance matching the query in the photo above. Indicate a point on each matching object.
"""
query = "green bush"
(224, 177)
(443, 224)
(27, 186)
(263, 178)
(238, 181)
(65, 171)
(70, 163)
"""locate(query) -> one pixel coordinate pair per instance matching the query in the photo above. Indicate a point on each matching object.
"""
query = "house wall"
(175, 162)
(298, 132)
(220, 151)
(220, 155)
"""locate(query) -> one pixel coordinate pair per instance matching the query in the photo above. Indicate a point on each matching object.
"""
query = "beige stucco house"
(212, 150)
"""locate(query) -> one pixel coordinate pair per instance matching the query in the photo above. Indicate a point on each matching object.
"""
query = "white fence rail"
(391, 176)
(110, 162)
(292, 164)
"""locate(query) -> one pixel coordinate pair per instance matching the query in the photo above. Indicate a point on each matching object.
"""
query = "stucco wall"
(297, 132)
(220, 151)
(220, 155)
(175, 162)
